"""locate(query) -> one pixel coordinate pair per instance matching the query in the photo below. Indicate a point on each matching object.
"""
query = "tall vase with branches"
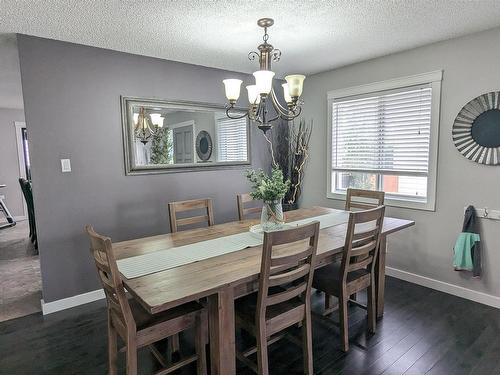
(290, 151)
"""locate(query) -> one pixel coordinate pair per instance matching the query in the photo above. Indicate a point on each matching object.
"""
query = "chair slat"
(243, 212)
(192, 220)
(377, 197)
(360, 264)
(362, 235)
(287, 295)
(288, 277)
(291, 259)
(364, 249)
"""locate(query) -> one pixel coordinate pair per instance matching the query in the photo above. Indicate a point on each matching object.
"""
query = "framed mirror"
(476, 131)
(165, 136)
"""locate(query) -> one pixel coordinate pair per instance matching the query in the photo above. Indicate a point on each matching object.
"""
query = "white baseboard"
(473, 295)
(67, 303)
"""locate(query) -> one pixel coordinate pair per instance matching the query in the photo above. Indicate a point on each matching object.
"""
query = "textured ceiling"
(10, 77)
(313, 35)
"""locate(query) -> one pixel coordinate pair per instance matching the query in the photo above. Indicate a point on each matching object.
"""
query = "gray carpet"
(20, 281)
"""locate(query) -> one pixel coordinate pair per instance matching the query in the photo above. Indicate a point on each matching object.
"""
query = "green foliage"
(267, 188)
(162, 146)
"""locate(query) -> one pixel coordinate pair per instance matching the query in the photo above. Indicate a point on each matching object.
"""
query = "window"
(232, 139)
(383, 136)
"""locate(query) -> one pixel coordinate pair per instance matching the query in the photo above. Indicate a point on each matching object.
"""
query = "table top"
(166, 289)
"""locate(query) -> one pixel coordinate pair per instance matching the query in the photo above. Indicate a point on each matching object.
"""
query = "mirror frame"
(127, 103)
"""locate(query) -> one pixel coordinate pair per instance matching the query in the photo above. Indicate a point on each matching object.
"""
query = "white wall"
(471, 68)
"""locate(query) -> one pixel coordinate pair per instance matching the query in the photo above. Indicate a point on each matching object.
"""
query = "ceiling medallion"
(262, 92)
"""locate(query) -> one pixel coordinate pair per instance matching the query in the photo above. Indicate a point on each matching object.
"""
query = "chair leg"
(262, 360)
(112, 349)
(330, 306)
(200, 343)
(131, 358)
(174, 348)
(372, 308)
(307, 345)
(344, 323)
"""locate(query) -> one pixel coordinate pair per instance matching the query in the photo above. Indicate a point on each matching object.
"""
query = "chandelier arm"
(235, 117)
(277, 106)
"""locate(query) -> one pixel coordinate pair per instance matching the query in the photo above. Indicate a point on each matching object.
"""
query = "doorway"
(20, 278)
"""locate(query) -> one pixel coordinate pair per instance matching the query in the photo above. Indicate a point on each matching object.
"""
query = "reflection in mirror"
(162, 136)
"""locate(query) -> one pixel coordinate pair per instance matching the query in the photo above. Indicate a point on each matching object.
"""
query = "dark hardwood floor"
(423, 332)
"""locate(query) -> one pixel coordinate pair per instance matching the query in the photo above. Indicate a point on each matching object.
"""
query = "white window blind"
(232, 139)
(384, 133)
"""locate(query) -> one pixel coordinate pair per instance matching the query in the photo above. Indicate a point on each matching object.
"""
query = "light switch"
(65, 165)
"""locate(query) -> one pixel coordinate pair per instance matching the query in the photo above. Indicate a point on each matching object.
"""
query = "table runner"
(161, 260)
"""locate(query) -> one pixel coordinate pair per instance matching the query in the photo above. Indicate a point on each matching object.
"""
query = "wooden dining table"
(224, 278)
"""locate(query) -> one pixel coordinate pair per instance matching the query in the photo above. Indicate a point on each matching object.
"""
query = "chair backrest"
(195, 204)
(362, 241)
(243, 212)
(118, 306)
(369, 199)
(288, 268)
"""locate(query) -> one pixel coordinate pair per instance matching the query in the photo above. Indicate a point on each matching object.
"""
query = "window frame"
(433, 79)
(217, 138)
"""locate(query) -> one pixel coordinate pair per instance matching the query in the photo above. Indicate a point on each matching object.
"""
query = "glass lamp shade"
(253, 94)
(264, 81)
(286, 93)
(232, 87)
(157, 119)
(295, 84)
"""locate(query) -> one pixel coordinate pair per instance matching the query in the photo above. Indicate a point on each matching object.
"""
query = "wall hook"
(486, 213)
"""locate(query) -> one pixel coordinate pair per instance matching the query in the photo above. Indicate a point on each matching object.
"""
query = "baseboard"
(67, 303)
(473, 295)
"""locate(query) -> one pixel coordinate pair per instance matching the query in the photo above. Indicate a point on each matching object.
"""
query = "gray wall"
(72, 105)
(470, 67)
(9, 164)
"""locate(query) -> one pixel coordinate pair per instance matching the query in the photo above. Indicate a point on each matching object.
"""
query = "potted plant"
(271, 189)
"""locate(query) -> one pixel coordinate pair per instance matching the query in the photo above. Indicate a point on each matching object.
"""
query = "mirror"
(162, 136)
(476, 130)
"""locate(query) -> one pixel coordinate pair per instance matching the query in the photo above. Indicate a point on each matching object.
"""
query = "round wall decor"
(204, 145)
(476, 130)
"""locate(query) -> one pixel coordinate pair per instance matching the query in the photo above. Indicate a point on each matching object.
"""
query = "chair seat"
(154, 327)
(328, 278)
(246, 309)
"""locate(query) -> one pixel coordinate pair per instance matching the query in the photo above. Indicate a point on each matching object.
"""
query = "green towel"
(462, 258)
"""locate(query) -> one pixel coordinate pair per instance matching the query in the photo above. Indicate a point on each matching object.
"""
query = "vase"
(272, 217)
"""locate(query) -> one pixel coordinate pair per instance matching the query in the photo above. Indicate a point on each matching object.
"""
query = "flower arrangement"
(268, 188)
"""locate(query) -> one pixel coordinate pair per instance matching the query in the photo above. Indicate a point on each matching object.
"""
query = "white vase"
(272, 217)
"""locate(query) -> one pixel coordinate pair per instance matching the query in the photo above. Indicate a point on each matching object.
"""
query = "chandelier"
(262, 92)
(146, 125)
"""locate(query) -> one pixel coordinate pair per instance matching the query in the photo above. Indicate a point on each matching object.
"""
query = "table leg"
(380, 276)
(222, 334)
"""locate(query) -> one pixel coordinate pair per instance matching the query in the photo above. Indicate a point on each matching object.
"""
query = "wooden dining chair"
(196, 204)
(136, 327)
(244, 213)
(284, 295)
(356, 271)
(363, 199)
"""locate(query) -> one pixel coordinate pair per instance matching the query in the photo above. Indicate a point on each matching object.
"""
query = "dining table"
(224, 278)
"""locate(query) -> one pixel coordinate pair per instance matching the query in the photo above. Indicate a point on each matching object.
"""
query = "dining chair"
(369, 199)
(196, 204)
(356, 271)
(284, 295)
(242, 200)
(136, 327)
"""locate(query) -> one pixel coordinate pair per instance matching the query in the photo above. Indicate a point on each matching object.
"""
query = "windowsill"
(393, 202)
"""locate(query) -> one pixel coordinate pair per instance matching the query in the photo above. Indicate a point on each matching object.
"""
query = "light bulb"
(253, 94)
(286, 93)
(232, 87)
(264, 81)
(295, 84)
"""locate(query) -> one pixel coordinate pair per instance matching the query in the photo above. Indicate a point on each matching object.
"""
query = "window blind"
(231, 139)
(385, 132)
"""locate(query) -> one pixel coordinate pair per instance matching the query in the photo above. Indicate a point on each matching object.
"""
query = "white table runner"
(177, 256)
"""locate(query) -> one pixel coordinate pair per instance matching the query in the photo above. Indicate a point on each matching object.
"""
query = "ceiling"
(314, 35)
(11, 95)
